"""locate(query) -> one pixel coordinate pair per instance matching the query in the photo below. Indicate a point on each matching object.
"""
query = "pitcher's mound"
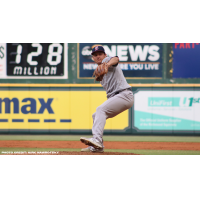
(90, 153)
(63, 153)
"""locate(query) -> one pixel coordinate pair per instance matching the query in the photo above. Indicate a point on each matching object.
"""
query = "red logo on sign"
(185, 45)
(96, 48)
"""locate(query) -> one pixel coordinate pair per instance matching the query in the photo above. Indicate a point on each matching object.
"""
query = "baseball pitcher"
(119, 96)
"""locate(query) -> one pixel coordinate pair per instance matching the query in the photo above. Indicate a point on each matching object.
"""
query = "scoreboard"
(34, 60)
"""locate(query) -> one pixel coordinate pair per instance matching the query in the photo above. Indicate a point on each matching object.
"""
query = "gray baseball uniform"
(120, 98)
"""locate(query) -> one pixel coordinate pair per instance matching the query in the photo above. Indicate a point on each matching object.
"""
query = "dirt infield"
(66, 153)
(195, 146)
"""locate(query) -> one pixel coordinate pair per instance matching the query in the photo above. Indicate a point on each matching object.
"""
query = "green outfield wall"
(163, 109)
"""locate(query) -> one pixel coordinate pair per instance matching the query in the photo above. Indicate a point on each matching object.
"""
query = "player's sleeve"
(117, 63)
(107, 59)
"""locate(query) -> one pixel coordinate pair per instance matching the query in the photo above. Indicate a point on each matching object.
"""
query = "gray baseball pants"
(109, 109)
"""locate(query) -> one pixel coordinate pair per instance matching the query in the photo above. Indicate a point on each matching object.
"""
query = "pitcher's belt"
(123, 90)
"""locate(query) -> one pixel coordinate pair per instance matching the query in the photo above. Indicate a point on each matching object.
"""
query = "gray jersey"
(114, 81)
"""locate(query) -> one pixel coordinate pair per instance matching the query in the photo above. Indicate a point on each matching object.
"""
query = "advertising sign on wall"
(167, 110)
(186, 60)
(34, 60)
(53, 109)
(137, 60)
(2, 60)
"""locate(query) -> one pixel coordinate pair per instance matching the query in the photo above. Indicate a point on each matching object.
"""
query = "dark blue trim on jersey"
(117, 63)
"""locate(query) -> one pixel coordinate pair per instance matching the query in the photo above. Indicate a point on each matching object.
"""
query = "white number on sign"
(56, 54)
(37, 53)
(17, 53)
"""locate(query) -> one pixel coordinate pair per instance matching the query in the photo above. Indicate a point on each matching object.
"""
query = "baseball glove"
(100, 71)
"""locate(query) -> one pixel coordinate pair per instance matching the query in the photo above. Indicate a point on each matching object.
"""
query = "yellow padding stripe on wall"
(92, 85)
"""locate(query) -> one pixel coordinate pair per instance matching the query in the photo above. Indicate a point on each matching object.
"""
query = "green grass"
(106, 138)
(155, 152)
(142, 152)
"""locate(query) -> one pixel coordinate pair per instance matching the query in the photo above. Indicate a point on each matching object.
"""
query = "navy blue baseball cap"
(98, 48)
